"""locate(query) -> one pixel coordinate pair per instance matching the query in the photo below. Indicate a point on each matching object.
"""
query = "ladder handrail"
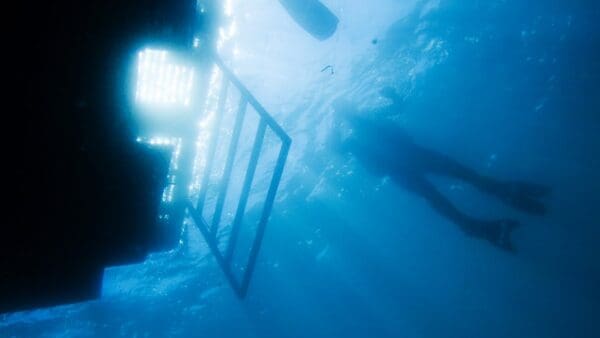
(253, 101)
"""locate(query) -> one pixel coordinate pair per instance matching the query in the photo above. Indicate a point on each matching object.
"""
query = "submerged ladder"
(209, 224)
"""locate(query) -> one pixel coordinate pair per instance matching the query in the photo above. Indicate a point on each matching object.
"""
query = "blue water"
(509, 88)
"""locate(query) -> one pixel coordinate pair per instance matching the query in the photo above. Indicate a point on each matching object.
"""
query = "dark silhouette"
(386, 150)
(330, 67)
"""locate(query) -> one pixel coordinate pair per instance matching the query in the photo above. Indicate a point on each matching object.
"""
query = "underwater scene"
(442, 180)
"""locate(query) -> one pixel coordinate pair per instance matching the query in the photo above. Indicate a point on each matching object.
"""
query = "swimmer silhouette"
(385, 149)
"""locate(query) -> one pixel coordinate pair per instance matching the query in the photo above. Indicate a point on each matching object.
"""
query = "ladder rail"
(209, 229)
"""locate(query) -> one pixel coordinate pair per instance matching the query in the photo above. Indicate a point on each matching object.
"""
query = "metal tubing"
(213, 145)
(239, 121)
(253, 101)
(239, 215)
(214, 248)
(260, 232)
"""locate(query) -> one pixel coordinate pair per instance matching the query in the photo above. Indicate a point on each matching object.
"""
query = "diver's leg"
(437, 163)
(520, 195)
(497, 232)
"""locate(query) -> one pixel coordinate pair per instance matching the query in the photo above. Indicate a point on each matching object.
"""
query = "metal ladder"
(209, 225)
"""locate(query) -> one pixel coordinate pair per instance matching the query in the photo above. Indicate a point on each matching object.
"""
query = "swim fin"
(314, 17)
(525, 196)
(504, 240)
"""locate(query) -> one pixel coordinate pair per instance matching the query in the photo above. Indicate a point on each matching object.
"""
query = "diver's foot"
(525, 196)
(499, 234)
(538, 190)
(532, 190)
